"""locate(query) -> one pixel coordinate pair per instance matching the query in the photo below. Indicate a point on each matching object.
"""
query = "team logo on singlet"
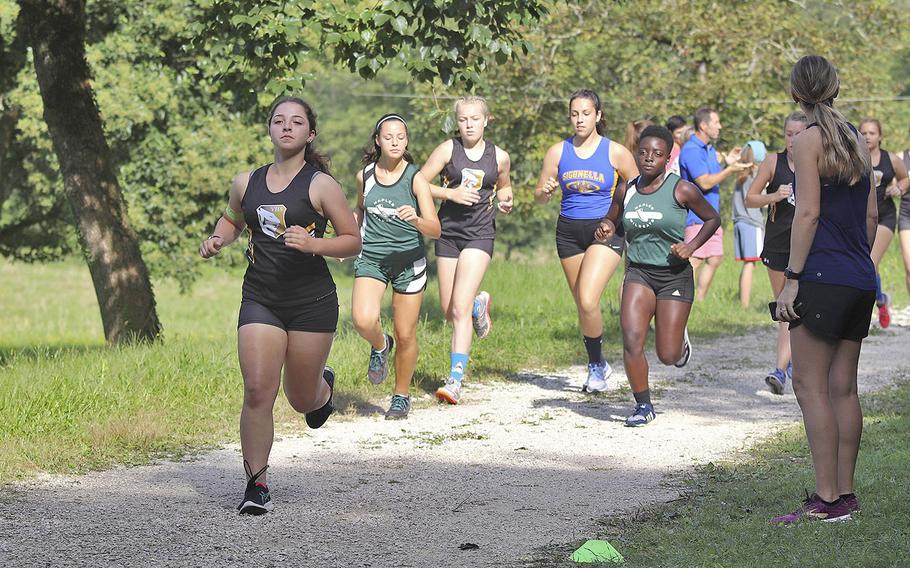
(583, 181)
(384, 209)
(471, 178)
(271, 219)
(643, 216)
(878, 175)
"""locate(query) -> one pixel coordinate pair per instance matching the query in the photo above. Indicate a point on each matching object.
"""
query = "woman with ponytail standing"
(289, 309)
(830, 286)
(587, 167)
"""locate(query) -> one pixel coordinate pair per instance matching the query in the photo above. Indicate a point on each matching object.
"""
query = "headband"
(389, 117)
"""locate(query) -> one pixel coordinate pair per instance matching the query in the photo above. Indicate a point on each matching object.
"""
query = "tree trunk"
(56, 32)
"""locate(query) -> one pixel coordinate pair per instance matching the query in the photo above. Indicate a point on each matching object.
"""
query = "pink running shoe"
(813, 508)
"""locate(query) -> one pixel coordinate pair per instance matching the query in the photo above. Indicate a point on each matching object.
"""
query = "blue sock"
(879, 296)
(459, 366)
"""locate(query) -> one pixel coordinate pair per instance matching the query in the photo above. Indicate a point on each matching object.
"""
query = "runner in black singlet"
(886, 168)
(475, 184)
(289, 309)
(773, 187)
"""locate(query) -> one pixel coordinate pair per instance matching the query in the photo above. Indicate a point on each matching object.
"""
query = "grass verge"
(722, 521)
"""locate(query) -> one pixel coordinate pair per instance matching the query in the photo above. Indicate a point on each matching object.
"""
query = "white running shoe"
(597, 377)
(480, 313)
(449, 392)
(687, 351)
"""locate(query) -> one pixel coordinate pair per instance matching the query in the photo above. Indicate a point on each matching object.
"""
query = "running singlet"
(476, 221)
(279, 275)
(383, 232)
(587, 183)
(780, 214)
(884, 174)
(653, 223)
(840, 249)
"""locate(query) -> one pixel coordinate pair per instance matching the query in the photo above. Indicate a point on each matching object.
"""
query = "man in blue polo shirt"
(698, 164)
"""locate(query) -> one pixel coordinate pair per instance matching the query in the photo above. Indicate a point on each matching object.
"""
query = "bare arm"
(691, 197)
(329, 201)
(900, 174)
(755, 197)
(623, 162)
(607, 228)
(547, 183)
(358, 211)
(230, 224)
(871, 213)
(707, 181)
(426, 221)
(504, 181)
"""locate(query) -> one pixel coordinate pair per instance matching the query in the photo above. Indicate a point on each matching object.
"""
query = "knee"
(633, 342)
(257, 393)
(405, 338)
(669, 357)
(588, 303)
(459, 313)
(364, 320)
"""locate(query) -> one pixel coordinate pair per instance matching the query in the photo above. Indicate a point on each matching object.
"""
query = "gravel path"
(518, 466)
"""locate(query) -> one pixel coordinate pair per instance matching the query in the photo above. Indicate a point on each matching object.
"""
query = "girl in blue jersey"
(830, 288)
(587, 167)
(289, 310)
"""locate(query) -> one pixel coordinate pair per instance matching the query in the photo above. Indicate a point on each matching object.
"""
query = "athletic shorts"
(667, 282)
(834, 312)
(747, 241)
(714, 246)
(903, 222)
(574, 236)
(408, 279)
(451, 247)
(318, 316)
(777, 261)
(889, 220)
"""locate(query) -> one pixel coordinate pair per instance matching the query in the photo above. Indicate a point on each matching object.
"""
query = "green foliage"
(451, 41)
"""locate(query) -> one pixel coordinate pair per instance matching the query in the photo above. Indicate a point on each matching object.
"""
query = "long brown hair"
(815, 84)
(319, 161)
(601, 125)
(372, 151)
(633, 133)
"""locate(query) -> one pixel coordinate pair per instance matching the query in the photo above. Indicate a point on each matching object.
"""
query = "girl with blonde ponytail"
(830, 286)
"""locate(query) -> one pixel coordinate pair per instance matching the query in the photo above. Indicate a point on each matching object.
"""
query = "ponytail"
(814, 83)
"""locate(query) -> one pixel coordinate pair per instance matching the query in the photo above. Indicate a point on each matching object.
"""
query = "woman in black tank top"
(886, 167)
(474, 185)
(289, 309)
(773, 188)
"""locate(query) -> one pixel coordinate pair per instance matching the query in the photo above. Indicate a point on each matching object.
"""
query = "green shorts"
(407, 278)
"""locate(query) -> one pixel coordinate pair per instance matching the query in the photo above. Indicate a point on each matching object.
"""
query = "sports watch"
(790, 275)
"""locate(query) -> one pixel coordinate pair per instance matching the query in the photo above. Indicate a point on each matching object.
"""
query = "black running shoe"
(317, 418)
(399, 408)
(256, 498)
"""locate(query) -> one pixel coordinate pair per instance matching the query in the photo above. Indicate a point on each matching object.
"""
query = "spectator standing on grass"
(748, 232)
(830, 288)
(699, 165)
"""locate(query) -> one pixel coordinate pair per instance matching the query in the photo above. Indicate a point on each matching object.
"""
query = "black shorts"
(667, 282)
(775, 260)
(451, 247)
(903, 221)
(889, 219)
(574, 236)
(834, 312)
(318, 316)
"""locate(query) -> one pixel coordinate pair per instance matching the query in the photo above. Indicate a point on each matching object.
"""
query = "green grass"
(69, 403)
(723, 520)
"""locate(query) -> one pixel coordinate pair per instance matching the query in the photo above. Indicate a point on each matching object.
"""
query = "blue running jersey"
(587, 184)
